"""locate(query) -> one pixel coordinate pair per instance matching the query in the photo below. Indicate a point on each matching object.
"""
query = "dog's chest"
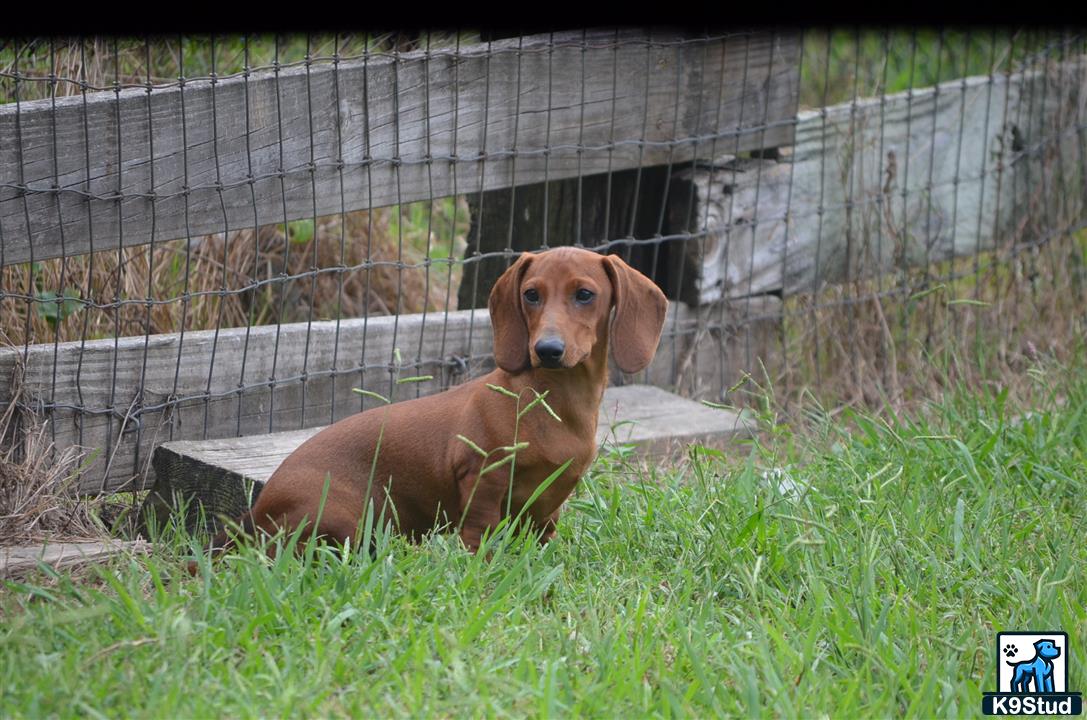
(540, 465)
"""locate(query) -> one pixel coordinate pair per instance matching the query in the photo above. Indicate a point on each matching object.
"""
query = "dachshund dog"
(553, 321)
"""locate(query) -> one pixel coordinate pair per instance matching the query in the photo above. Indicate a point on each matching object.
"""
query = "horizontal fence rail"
(108, 170)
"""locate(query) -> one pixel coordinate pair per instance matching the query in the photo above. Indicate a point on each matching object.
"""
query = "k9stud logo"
(1032, 676)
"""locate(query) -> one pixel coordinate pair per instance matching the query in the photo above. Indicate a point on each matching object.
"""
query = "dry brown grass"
(345, 265)
(37, 501)
(887, 345)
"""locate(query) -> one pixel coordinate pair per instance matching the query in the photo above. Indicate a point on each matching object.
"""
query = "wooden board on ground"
(20, 559)
(225, 476)
(658, 422)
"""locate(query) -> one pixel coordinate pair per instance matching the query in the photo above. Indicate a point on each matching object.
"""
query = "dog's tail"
(225, 539)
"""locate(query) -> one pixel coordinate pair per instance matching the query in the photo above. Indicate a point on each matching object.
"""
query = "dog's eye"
(584, 296)
(532, 296)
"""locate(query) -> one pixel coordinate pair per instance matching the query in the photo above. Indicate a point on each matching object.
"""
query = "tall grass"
(892, 342)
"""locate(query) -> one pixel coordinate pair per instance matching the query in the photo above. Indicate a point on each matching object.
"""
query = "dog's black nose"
(550, 351)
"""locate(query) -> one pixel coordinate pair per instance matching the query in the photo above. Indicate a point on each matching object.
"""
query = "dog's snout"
(550, 351)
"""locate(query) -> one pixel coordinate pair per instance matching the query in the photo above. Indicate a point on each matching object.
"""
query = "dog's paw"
(1009, 650)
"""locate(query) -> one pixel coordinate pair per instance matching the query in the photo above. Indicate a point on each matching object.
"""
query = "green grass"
(840, 64)
(162, 59)
(431, 227)
(870, 583)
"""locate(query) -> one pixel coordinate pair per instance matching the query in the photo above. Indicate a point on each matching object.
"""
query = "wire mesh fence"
(214, 237)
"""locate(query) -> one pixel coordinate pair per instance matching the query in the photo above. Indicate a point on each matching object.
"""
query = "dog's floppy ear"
(639, 315)
(507, 320)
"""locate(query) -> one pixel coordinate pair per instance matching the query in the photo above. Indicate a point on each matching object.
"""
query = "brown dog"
(552, 320)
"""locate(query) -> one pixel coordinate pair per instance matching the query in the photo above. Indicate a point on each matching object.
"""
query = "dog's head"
(1047, 649)
(549, 311)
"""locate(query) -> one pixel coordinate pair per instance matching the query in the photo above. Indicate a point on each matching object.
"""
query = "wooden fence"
(117, 169)
(782, 203)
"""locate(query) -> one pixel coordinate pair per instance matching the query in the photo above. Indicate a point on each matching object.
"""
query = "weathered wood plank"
(252, 458)
(658, 421)
(897, 182)
(18, 560)
(224, 477)
(215, 156)
(137, 394)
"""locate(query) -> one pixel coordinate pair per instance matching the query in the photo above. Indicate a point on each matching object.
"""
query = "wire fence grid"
(220, 236)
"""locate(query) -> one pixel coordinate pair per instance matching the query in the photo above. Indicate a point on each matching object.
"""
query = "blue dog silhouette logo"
(1032, 676)
(1037, 671)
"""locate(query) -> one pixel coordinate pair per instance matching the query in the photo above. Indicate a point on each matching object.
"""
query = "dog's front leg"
(482, 501)
(549, 528)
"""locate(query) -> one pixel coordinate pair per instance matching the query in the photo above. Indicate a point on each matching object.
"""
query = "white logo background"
(1024, 652)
